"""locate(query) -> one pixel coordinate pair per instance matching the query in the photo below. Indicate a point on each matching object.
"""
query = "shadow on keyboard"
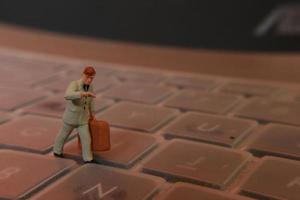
(174, 136)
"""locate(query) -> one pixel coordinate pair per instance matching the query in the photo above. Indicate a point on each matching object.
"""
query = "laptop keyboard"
(173, 135)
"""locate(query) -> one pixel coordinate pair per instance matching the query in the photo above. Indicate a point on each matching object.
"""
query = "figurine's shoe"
(90, 161)
(58, 155)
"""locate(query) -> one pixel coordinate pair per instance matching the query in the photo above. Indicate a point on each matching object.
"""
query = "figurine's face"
(86, 79)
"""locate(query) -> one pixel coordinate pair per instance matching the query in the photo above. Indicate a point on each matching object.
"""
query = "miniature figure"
(80, 108)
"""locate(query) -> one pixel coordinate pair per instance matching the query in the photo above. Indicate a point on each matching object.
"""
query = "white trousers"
(84, 135)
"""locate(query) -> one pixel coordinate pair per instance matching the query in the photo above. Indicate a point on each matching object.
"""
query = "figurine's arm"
(71, 92)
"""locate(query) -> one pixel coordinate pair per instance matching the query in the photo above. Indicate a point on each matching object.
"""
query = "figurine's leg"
(61, 138)
(85, 139)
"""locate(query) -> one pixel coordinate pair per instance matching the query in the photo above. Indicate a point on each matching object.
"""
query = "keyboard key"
(98, 182)
(32, 63)
(287, 95)
(277, 140)
(52, 107)
(137, 116)
(29, 132)
(196, 163)
(55, 106)
(13, 98)
(209, 128)
(3, 117)
(21, 174)
(249, 89)
(10, 77)
(22, 75)
(265, 110)
(103, 69)
(143, 93)
(191, 82)
(57, 85)
(187, 191)
(127, 147)
(202, 101)
(60, 83)
(139, 76)
(274, 178)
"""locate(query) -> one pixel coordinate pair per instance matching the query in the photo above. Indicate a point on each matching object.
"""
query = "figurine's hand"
(87, 94)
(90, 94)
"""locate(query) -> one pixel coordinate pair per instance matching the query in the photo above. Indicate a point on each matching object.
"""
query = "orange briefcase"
(100, 135)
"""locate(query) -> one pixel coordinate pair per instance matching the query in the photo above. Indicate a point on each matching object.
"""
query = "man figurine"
(80, 107)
